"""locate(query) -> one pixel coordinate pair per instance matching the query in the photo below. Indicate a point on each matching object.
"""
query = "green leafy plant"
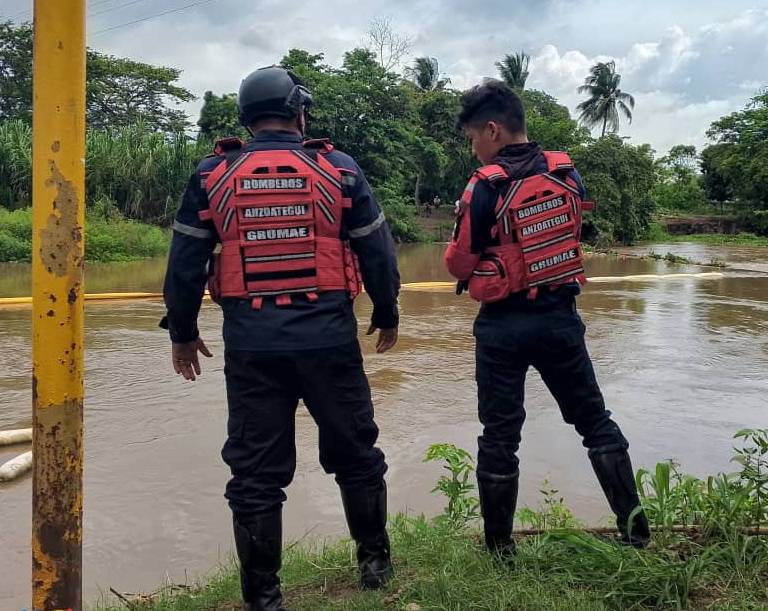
(720, 506)
(753, 459)
(456, 487)
(552, 513)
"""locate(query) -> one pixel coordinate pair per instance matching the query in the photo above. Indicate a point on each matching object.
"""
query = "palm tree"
(514, 69)
(606, 101)
(425, 74)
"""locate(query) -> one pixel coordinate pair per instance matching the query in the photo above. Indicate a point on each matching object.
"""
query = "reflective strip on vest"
(195, 232)
(227, 175)
(224, 200)
(316, 166)
(562, 183)
(513, 189)
(329, 198)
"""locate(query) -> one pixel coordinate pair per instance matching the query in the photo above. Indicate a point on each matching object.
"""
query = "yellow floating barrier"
(647, 277)
(450, 286)
(440, 286)
(8, 301)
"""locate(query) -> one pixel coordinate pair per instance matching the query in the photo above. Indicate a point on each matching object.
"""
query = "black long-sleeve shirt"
(302, 325)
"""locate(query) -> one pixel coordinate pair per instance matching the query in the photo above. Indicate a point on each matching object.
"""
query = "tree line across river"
(399, 125)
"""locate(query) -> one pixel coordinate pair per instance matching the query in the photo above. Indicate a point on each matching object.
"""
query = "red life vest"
(278, 215)
(538, 228)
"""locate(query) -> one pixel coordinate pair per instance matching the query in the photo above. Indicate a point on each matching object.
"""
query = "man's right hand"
(387, 338)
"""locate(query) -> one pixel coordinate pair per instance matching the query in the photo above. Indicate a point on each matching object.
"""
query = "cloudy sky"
(686, 62)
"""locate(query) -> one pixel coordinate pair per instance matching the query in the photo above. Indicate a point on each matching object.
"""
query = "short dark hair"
(492, 101)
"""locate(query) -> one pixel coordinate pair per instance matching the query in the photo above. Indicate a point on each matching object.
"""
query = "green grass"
(721, 239)
(107, 239)
(441, 568)
(657, 234)
(442, 565)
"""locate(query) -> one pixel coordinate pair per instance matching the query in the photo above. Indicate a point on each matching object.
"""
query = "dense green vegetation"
(705, 553)
(111, 238)
(399, 127)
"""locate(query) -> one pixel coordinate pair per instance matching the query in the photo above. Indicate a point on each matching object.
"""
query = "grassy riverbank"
(705, 554)
(719, 239)
(658, 234)
(108, 237)
(442, 568)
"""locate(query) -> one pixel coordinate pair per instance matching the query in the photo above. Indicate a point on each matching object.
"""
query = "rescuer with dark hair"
(516, 249)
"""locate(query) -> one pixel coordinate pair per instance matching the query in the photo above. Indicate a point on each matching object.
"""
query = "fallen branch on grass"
(138, 601)
(691, 529)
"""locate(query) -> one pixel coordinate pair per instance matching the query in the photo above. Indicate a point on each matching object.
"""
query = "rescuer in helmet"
(299, 230)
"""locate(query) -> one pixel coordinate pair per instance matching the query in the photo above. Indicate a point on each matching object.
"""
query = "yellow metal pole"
(57, 293)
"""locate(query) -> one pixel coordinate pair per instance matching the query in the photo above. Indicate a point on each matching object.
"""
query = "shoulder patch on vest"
(227, 145)
(323, 144)
(491, 173)
(558, 161)
(348, 177)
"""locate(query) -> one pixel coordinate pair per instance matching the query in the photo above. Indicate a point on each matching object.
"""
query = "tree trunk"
(416, 192)
(605, 120)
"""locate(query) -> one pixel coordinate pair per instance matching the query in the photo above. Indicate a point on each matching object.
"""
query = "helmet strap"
(301, 122)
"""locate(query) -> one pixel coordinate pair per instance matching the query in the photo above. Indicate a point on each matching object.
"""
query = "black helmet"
(271, 91)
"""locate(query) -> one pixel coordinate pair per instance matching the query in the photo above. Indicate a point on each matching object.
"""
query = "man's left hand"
(185, 359)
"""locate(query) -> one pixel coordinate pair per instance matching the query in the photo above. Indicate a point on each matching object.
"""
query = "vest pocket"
(490, 280)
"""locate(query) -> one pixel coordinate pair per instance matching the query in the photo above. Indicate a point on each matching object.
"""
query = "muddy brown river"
(683, 364)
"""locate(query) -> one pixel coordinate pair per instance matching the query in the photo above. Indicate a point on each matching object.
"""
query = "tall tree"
(549, 123)
(678, 184)
(619, 177)
(606, 101)
(513, 69)
(301, 61)
(122, 92)
(714, 172)
(219, 117)
(425, 74)
(119, 92)
(738, 163)
(15, 71)
(386, 44)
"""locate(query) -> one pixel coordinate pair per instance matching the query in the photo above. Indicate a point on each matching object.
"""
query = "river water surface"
(682, 363)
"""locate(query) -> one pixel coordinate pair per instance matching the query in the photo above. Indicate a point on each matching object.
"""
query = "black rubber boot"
(617, 479)
(259, 541)
(366, 511)
(498, 501)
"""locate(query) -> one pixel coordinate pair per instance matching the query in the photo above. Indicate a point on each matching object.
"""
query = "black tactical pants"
(263, 392)
(552, 341)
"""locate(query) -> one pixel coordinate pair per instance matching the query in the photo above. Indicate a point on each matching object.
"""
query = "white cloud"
(681, 82)
(671, 121)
